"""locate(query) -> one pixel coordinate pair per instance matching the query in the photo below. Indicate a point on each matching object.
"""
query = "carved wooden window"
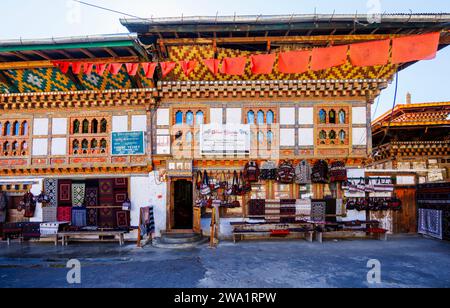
(332, 117)
(342, 117)
(322, 117)
(186, 129)
(332, 125)
(89, 136)
(13, 138)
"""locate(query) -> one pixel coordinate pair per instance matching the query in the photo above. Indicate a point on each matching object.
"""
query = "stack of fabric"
(31, 230)
(287, 208)
(272, 211)
(303, 210)
(12, 230)
(257, 207)
(49, 228)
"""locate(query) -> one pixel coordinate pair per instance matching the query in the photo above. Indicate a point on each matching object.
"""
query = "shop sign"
(127, 143)
(179, 168)
(229, 139)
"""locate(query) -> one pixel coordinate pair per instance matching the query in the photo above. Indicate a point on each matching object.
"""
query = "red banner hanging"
(114, 68)
(100, 68)
(149, 69)
(167, 67)
(414, 48)
(63, 66)
(188, 66)
(370, 53)
(213, 65)
(76, 67)
(234, 66)
(262, 64)
(132, 68)
(324, 58)
(87, 68)
(294, 62)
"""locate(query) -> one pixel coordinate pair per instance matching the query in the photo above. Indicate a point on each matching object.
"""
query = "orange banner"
(167, 67)
(213, 65)
(234, 66)
(414, 48)
(294, 62)
(370, 53)
(188, 66)
(324, 58)
(262, 64)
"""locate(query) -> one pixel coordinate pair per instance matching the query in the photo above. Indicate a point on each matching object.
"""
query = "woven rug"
(272, 211)
(92, 217)
(256, 207)
(107, 218)
(91, 198)
(64, 214)
(121, 183)
(120, 197)
(64, 193)
(49, 214)
(51, 190)
(430, 223)
(318, 210)
(123, 220)
(79, 217)
(303, 207)
(106, 192)
(287, 207)
(78, 194)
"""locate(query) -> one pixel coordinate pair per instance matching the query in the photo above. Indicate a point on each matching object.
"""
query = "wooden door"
(405, 221)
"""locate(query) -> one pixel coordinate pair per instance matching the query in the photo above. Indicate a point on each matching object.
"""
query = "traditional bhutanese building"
(414, 137)
(105, 132)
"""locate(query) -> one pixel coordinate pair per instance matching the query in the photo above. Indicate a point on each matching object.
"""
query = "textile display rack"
(146, 226)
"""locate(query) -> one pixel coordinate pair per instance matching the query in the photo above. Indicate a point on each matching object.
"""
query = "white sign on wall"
(228, 139)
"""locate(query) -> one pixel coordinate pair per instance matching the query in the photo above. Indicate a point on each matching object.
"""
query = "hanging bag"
(223, 181)
(251, 172)
(198, 180)
(205, 188)
(246, 187)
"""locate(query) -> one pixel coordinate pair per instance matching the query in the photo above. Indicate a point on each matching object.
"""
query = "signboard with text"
(127, 143)
(228, 139)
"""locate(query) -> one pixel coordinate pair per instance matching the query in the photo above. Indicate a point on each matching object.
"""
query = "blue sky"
(427, 80)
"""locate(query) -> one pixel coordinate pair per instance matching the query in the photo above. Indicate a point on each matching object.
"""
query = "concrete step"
(158, 243)
(180, 238)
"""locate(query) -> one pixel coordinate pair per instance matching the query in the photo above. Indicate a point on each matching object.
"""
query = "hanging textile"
(303, 210)
(303, 173)
(324, 58)
(188, 66)
(63, 66)
(338, 172)
(106, 192)
(167, 67)
(147, 221)
(149, 69)
(78, 194)
(51, 190)
(107, 218)
(415, 47)
(213, 65)
(29, 204)
(370, 53)
(256, 207)
(64, 193)
(91, 198)
(100, 68)
(114, 68)
(76, 67)
(320, 172)
(286, 173)
(123, 219)
(287, 207)
(272, 211)
(120, 191)
(64, 214)
(120, 183)
(251, 172)
(87, 68)
(262, 64)
(49, 214)
(79, 217)
(430, 223)
(318, 210)
(92, 217)
(31, 230)
(3, 207)
(294, 62)
(268, 171)
(234, 66)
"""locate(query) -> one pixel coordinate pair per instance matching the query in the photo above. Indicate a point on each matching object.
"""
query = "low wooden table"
(65, 236)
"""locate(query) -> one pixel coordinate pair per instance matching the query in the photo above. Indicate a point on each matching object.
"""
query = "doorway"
(183, 205)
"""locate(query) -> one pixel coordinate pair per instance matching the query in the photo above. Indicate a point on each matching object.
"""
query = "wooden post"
(213, 229)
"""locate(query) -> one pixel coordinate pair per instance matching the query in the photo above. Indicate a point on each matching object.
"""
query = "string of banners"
(380, 52)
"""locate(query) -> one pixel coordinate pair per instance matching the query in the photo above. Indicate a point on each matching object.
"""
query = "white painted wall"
(59, 126)
(306, 136)
(146, 191)
(216, 115)
(59, 146)
(162, 145)
(36, 190)
(287, 116)
(163, 117)
(120, 124)
(225, 228)
(139, 123)
(234, 115)
(359, 136)
(359, 115)
(306, 116)
(287, 137)
(40, 127)
(40, 147)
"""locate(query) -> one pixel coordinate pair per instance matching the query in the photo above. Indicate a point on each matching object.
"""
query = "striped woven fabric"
(303, 207)
(272, 211)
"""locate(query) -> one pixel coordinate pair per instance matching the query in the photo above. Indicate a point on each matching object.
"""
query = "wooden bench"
(65, 236)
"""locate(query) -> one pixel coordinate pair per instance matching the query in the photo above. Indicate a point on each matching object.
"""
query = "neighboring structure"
(414, 137)
(73, 125)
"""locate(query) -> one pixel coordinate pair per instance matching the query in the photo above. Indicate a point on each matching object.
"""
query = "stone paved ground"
(407, 261)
